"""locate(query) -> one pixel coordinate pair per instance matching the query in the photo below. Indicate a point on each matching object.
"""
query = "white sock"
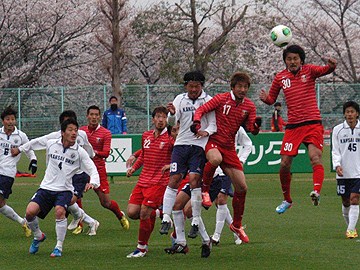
(196, 201)
(221, 214)
(228, 218)
(345, 212)
(10, 213)
(179, 224)
(168, 202)
(60, 228)
(353, 217)
(34, 227)
(74, 210)
(202, 231)
(87, 219)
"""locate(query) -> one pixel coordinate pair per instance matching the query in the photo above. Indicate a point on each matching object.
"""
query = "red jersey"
(155, 154)
(230, 115)
(100, 139)
(299, 92)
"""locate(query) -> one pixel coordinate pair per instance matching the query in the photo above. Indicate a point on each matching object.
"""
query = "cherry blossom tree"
(112, 35)
(42, 41)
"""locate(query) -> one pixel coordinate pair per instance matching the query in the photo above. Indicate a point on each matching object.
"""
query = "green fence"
(39, 108)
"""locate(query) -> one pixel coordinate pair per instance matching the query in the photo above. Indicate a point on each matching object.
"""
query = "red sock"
(79, 202)
(208, 175)
(238, 205)
(285, 179)
(318, 177)
(114, 207)
(144, 231)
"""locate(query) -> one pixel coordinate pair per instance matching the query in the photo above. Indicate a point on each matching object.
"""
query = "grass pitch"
(305, 237)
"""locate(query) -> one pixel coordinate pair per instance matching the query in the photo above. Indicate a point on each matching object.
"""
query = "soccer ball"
(281, 35)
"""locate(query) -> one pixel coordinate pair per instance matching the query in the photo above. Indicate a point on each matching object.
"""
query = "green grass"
(305, 237)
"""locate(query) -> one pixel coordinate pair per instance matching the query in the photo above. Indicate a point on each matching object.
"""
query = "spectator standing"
(114, 119)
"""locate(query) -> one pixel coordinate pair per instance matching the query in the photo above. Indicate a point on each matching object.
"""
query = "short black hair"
(159, 109)
(295, 49)
(67, 114)
(112, 98)
(8, 111)
(195, 76)
(277, 104)
(352, 104)
(69, 121)
(93, 107)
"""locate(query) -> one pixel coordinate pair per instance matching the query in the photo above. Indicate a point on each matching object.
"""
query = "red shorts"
(230, 157)
(104, 183)
(149, 196)
(309, 134)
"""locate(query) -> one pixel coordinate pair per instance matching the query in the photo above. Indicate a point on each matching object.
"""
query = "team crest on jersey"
(16, 141)
(72, 155)
(162, 144)
(303, 78)
(98, 140)
(245, 113)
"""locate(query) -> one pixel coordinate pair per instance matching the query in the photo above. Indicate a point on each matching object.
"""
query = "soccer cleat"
(26, 229)
(137, 254)
(237, 239)
(56, 253)
(124, 222)
(206, 249)
(165, 227)
(177, 248)
(93, 228)
(315, 197)
(206, 201)
(75, 222)
(240, 233)
(283, 207)
(350, 234)
(194, 230)
(215, 239)
(79, 229)
(34, 247)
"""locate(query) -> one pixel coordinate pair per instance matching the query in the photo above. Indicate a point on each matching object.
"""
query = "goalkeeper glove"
(33, 166)
(195, 127)
(258, 121)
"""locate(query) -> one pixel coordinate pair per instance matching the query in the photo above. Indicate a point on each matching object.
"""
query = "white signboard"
(121, 150)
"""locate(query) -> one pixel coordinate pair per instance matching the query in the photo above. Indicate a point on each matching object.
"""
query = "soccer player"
(64, 157)
(304, 124)
(346, 162)
(79, 179)
(232, 109)
(147, 195)
(100, 139)
(188, 154)
(277, 122)
(11, 137)
(222, 213)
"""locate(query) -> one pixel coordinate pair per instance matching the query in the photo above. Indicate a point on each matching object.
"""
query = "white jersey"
(7, 161)
(243, 143)
(346, 150)
(62, 164)
(40, 143)
(185, 109)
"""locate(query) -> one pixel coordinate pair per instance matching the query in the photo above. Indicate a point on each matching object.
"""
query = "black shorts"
(6, 184)
(347, 186)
